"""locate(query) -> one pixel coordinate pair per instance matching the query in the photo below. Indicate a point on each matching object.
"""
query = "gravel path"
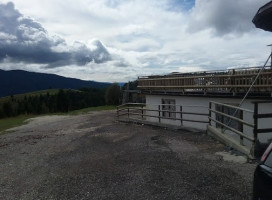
(94, 157)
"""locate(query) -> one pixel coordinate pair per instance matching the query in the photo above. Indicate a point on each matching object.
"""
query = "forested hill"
(19, 81)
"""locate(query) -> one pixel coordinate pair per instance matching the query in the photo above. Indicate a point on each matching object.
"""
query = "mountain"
(19, 81)
(121, 84)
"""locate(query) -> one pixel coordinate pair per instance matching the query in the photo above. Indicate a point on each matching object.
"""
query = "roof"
(263, 17)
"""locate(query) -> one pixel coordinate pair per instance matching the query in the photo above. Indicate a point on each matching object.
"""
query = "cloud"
(24, 40)
(141, 37)
(224, 17)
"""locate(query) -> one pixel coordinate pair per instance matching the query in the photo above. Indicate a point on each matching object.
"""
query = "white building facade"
(200, 104)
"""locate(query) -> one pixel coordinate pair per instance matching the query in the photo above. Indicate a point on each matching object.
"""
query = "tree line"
(62, 101)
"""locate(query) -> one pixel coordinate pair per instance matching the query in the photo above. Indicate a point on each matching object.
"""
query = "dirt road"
(94, 157)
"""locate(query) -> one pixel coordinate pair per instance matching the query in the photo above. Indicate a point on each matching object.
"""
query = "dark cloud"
(24, 40)
(121, 63)
(224, 17)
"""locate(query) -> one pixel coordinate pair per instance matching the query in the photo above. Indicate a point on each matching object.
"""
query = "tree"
(62, 101)
(131, 85)
(113, 94)
(7, 108)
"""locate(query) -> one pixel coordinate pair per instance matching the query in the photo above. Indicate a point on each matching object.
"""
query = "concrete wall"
(187, 102)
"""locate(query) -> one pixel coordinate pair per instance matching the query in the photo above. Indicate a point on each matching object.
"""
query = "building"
(211, 101)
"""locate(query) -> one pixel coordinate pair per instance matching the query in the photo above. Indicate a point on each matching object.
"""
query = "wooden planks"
(229, 81)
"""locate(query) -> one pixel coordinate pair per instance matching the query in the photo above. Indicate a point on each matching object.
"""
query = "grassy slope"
(20, 120)
(86, 110)
(13, 122)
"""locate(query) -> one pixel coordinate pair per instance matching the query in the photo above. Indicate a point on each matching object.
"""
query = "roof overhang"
(263, 18)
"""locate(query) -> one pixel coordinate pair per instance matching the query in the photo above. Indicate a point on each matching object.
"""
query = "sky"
(119, 40)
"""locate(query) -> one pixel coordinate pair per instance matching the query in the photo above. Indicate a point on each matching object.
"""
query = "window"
(168, 107)
(226, 120)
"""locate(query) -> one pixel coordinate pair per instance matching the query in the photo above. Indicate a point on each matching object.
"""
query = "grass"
(11, 122)
(86, 110)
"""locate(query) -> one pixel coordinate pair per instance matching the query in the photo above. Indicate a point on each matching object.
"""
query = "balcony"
(232, 82)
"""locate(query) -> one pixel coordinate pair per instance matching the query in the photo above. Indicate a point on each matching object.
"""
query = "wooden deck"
(228, 81)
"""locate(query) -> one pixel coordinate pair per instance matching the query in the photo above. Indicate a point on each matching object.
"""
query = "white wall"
(153, 101)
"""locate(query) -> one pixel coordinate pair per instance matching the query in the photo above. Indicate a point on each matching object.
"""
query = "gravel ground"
(92, 156)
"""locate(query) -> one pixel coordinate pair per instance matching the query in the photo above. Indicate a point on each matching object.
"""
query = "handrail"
(145, 104)
(202, 86)
(232, 129)
(125, 109)
(130, 104)
(239, 120)
(231, 106)
(232, 117)
(195, 76)
(186, 113)
(172, 118)
(209, 72)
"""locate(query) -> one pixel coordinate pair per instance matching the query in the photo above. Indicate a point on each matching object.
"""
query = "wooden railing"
(125, 110)
(248, 128)
(258, 115)
(234, 81)
(225, 124)
(130, 110)
(246, 124)
(251, 136)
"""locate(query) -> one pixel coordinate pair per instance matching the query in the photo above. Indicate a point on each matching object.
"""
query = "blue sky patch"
(181, 5)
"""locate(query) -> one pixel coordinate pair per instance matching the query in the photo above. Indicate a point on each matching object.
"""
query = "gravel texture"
(92, 156)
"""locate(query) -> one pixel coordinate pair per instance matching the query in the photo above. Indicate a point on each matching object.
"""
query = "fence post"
(255, 116)
(210, 112)
(159, 109)
(142, 112)
(180, 108)
(241, 127)
(222, 118)
(128, 111)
